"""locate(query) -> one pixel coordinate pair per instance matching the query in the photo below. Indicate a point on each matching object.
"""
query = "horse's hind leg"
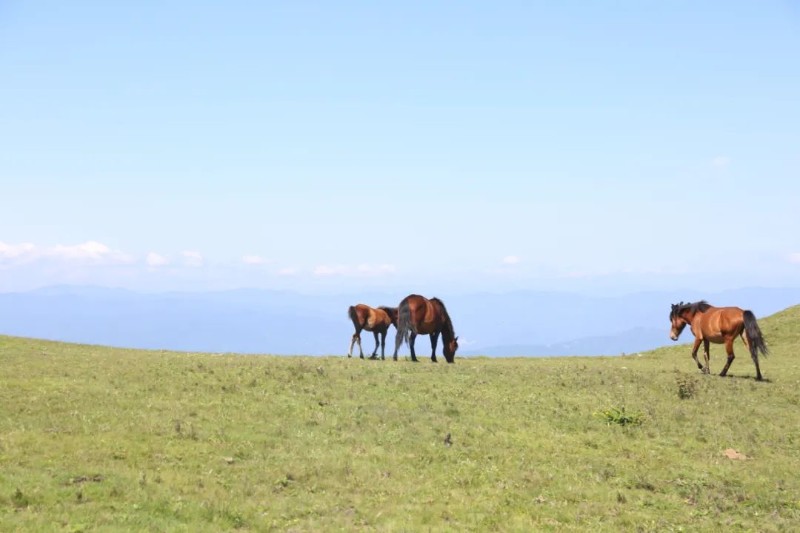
(375, 351)
(434, 341)
(352, 342)
(731, 357)
(383, 343)
(358, 339)
(411, 340)
(753, 355)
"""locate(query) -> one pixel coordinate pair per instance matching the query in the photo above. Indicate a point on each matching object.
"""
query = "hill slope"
(94, 437)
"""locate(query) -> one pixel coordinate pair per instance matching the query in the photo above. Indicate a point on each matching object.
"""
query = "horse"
(377, 320)
(718, 325)
(417, 315)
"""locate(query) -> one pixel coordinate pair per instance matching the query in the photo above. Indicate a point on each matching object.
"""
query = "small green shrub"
(687, 385)
(618, 415)
(19, 500)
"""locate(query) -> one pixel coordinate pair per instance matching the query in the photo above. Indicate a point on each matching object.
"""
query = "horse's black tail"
(403, 323)
(754, 336)
(351, 312)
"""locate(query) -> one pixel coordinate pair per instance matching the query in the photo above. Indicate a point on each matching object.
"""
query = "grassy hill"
(95, 438)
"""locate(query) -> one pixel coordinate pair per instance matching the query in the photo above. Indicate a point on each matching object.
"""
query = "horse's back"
(391, 313)
(717, 322)
(369, 317)
(426, 316)
(413, 301)
(361, 309)
(380, 316)
(358, 313)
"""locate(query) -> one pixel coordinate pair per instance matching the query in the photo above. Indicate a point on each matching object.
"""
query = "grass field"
(103, 439)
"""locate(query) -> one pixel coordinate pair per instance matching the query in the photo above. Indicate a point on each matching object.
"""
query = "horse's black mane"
(447, 322)
(695, 307)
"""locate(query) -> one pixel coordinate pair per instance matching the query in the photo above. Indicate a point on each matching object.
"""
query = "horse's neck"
(697, 315)
(447, 328)
(447, 324)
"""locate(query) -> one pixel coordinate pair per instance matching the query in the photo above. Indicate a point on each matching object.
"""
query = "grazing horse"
(718, 325)
(417, 315)
(371, 319)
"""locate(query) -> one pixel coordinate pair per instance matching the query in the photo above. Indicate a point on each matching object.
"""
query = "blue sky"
(330, 145)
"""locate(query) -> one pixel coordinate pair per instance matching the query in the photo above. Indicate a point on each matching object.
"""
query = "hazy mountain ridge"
(284, 322)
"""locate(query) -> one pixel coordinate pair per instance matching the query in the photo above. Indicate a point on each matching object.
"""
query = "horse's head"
(677, 320)
(449, 349)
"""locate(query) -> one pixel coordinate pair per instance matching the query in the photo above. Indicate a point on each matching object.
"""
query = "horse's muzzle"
(673, 337)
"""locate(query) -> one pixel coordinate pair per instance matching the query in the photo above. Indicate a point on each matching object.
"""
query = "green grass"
(102, 439)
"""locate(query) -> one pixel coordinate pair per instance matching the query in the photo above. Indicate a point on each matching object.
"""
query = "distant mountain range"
(633, 340)
(518, 323)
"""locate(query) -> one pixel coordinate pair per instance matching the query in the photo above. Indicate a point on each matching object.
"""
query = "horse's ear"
(456, 339)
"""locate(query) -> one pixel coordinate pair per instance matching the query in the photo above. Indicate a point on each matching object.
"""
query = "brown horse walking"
(417, 315)
(718, 325)
(376, 320)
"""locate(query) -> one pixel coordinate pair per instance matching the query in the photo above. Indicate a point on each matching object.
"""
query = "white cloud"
(362, 270)
(720, 161)
(511, 260)
(17, 251)
(87, 252)
(192, 259)
(325, 270)
(375, 270)
(91, 251)
(288, 271)
(155, 260)
(254, 260)
(795, 258)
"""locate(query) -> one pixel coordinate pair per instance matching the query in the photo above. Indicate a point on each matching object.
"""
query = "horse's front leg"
(696, 346)
(434, 341)
(731, 357)
(411, 339)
